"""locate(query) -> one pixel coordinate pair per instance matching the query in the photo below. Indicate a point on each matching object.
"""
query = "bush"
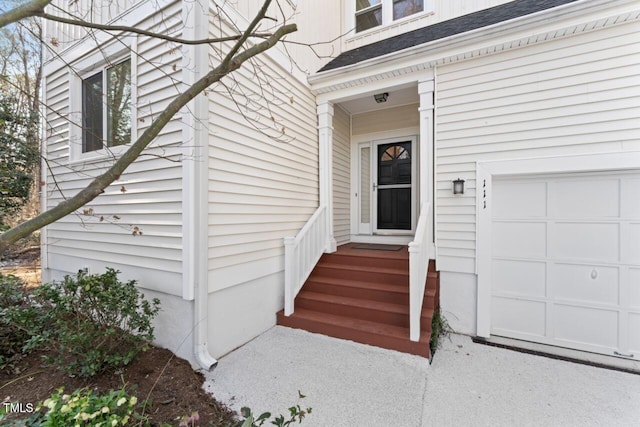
(439, 328)
(84, 407)
(96, 322)
(296, 415)
(19, 321)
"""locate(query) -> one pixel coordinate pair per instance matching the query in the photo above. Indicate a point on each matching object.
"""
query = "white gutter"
(195, 286)
(452, 48)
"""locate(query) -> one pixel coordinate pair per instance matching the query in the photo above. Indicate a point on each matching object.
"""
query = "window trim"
(90, 66)
(387, 17)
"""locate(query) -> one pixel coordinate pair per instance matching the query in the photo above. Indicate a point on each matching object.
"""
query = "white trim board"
(486, 171)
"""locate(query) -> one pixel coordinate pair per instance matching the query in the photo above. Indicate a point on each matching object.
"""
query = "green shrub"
(85, 408)
(296, 415)
(19, 321)
(95, 322)
(439, 328)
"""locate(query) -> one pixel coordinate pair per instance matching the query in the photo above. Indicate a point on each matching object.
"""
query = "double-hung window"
(106, 108)
(373, 13)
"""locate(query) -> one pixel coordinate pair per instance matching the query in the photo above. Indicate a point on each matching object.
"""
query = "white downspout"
(195, 285)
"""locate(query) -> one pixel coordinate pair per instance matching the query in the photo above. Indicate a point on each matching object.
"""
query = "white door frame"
(364, 232)
(374, 181)
(485, 171)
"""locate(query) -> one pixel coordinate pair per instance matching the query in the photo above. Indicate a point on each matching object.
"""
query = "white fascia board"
(538, 27)
(80, 49)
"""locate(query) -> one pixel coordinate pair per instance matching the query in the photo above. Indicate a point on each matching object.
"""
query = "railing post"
(289, 274)
(418, 270)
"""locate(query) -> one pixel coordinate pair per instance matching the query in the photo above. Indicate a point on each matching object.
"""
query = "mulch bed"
(169, 383)
(172, 388)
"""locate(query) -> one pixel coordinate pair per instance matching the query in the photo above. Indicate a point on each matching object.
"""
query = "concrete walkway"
(349, 384)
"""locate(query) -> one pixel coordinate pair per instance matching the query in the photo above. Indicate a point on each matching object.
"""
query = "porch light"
(381, 97)
(458, 186)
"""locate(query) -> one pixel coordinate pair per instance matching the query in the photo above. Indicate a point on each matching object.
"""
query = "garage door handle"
(622, 355)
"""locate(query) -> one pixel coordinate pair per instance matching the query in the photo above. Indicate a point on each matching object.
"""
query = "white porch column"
(426, 91)
(325, 136)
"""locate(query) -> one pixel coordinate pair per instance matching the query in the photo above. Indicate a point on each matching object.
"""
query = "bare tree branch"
(26, 10)
(232, 61)
(134, 30)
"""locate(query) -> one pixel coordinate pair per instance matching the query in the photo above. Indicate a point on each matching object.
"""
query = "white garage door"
(566, 261)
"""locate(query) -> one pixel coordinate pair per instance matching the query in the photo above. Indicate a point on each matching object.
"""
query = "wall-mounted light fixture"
(381, 97)
(458, 186)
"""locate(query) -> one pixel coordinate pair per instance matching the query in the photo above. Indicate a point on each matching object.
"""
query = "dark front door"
(394, 186)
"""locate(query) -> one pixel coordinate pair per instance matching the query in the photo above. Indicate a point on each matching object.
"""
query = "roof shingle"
(462, 24)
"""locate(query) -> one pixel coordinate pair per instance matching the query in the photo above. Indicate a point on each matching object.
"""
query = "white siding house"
(534, 104)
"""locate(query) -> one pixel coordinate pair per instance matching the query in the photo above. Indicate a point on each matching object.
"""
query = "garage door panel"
(584, 241)
(586, 325)
(634, 335)
(519, 239)
(519, 277)
(573, 198)
(631, 243)
(534, 205)
(630, 199)
(587, 283)
(520, 316)
(634, 289)
(571, 276)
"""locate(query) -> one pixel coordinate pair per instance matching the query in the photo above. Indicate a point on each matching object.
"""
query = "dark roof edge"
(460, 25)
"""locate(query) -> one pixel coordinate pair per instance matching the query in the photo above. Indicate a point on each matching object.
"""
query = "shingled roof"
(462, 24)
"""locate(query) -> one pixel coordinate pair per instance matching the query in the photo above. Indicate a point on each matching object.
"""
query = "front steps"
(363, 295)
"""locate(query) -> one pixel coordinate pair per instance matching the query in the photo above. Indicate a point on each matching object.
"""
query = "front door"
(393, 192)
(386, 182)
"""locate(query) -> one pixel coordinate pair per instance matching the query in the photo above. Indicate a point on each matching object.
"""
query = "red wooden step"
(375, 311)
(355, 289)
(367, 261)
(362, 274)
(362, 331)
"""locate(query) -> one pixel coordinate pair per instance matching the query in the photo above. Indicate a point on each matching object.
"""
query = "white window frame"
(89, 66)
(387, 16)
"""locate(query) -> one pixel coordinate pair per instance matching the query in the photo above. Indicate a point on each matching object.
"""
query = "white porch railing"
(418, 269)
(301, 254)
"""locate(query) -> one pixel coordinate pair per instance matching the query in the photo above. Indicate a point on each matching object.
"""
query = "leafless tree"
(233, 51)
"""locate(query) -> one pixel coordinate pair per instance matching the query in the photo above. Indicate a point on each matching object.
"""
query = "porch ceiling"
(397, 97)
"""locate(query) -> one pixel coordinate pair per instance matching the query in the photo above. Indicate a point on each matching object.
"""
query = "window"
(402, 8)
(106, 108)
(372, 13)
(368, 14)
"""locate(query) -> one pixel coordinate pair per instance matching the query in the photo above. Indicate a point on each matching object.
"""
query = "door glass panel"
(394, 186)
(365, 185)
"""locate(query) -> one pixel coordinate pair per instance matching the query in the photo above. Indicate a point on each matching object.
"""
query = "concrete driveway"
(349, 384)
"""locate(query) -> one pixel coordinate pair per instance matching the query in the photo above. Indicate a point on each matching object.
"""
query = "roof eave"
(429, 54)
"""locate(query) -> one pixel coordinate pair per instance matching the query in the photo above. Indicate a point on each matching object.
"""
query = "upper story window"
(372, 13)
(402, 8)
(106, 108)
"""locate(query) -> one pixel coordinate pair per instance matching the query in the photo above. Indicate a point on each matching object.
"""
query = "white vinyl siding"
(389, 119)
(574, 95)
(147, 196)
(263, 169)
(341, 175)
